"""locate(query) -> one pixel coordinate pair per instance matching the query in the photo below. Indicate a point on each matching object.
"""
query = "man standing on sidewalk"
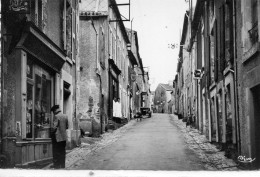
(59, 137)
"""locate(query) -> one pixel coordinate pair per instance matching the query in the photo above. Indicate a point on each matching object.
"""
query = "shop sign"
(19, 6)
(197, 74)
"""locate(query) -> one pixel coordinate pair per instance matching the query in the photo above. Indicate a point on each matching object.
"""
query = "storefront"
(30, 89)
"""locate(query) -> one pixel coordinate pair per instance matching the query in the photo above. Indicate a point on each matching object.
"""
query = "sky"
(158, 23)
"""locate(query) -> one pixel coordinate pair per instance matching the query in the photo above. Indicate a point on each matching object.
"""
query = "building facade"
(247, 70)
(223, 48)
(103, 65)
(67, 52)
(139, 78)
(39, 53)
(162, 96)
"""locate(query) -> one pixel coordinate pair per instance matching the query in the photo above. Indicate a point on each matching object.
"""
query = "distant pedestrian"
(59, 137)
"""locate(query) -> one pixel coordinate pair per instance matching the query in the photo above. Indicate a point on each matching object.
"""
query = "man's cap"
(55, 107)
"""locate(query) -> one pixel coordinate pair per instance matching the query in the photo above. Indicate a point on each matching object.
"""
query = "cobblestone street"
(91, 145)
(210, 158)
(213, 158)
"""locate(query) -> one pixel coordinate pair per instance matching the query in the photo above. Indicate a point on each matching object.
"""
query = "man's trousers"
(59, 153)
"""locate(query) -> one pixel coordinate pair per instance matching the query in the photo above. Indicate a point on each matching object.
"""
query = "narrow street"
(152, 144)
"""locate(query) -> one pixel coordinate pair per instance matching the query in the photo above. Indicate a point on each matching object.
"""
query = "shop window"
(29, 110)
(38, 115)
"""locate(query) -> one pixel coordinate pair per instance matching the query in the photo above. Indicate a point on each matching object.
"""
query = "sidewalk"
(213, 158)
(89, 144)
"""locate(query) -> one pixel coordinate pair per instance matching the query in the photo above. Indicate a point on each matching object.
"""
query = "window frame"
(32, 82)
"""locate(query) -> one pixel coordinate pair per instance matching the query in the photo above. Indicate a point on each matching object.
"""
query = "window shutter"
(33, 12)
(231, 39)
(215, 51)
(73, 31)
(222, 41)
(227, 34)
(101, 48)
(40, 14)
(207, 57)
(64, 23)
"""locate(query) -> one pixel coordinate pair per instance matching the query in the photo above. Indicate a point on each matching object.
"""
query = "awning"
(132, 58)
(36, 43)
(114, 67)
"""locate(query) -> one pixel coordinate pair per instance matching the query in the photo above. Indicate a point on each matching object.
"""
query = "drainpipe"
(131, 32)
(98, 74)
(235, 77)
(93, 25)
(1, 81)
(76, 87)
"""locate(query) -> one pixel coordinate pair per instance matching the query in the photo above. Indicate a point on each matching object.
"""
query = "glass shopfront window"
(39, 84)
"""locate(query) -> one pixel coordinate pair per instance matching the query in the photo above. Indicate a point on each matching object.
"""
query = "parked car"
(146, 111)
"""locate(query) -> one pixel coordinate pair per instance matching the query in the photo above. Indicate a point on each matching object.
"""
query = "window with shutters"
(101, 47)
(221, 32)
(118, 51)
(212, 58)
(111, 44)
(202, 45)
(215, 51)
(37, 13)
(254, 12)
(228, 33)
(74, 33)
(253, 33)
(225, 31)
(68, 28)
(114, 49)
(212, 8)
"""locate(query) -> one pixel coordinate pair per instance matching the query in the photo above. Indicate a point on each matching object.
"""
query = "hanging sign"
(19, 6)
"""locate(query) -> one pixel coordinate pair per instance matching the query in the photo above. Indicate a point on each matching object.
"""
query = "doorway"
(256, 124)
(66, 96)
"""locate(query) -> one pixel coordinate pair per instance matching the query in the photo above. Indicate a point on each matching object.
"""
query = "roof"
(196, 19)
(118, 16)
(167, 87)
(184, 28)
